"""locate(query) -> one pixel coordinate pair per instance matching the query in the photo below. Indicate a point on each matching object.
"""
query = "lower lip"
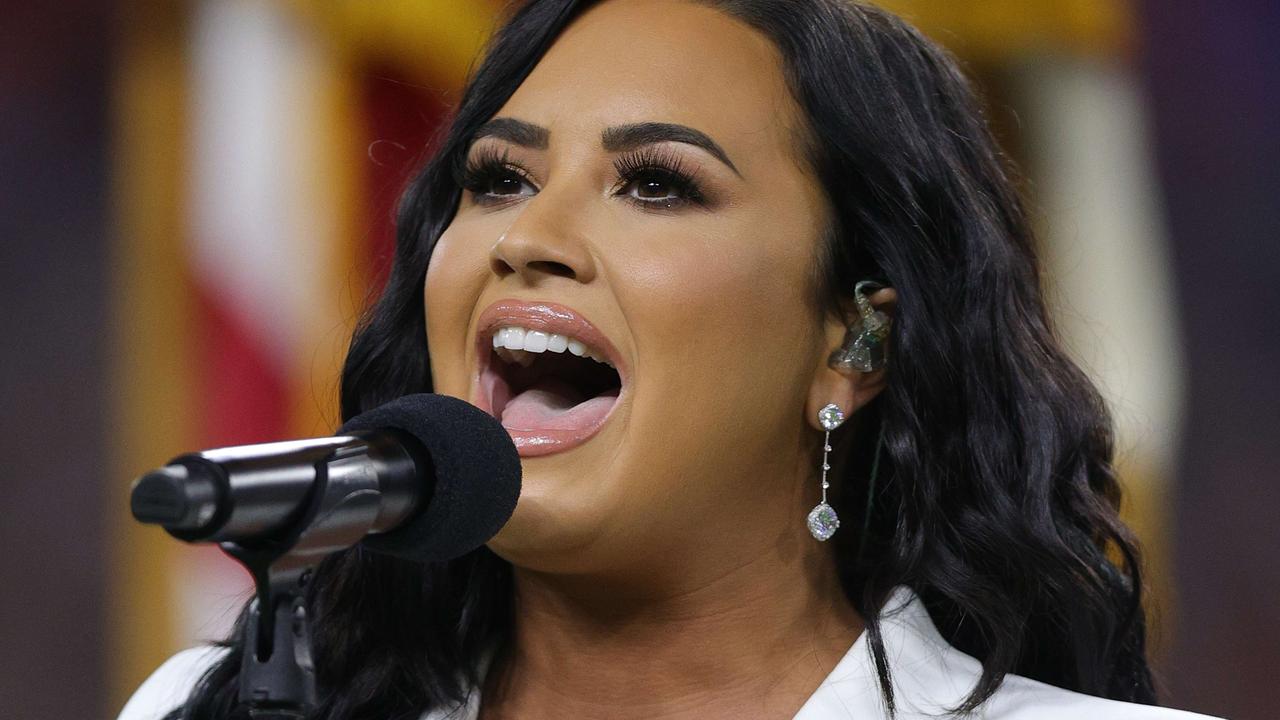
(535, 443)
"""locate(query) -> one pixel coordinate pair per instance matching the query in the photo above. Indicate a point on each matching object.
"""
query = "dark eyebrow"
(515, 131)
(628, 137)
(618, 138)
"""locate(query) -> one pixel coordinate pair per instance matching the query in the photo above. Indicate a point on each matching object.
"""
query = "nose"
(541, 244)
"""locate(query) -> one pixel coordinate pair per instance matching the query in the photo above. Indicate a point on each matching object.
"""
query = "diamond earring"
(822, 520)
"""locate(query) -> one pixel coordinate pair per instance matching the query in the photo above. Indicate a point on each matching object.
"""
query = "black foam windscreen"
(477, 476)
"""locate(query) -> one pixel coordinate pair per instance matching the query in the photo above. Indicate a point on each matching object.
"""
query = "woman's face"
(640, 195)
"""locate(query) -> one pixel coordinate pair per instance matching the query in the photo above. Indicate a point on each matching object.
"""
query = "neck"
(751, 641)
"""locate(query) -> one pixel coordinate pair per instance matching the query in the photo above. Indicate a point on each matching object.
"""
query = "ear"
(849, 388)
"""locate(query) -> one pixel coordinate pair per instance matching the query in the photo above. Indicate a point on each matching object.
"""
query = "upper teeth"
(537, 341)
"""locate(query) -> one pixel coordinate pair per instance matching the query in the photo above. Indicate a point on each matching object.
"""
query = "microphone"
(429, 476)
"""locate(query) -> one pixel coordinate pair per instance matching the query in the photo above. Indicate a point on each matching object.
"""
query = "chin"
(545, 536)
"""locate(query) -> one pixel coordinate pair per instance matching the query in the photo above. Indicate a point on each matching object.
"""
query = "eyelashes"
(651, 178)
(490, 175)
(652, 168)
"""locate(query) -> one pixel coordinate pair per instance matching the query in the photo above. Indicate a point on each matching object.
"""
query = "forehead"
(627, 61)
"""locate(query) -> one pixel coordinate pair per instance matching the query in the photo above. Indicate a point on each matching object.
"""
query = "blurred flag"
(262, 147)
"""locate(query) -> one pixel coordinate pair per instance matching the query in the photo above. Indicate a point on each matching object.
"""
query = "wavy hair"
(997, 501)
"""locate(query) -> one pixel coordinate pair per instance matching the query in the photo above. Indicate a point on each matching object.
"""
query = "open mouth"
(546, 374)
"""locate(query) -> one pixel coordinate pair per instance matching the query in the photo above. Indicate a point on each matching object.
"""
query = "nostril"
(501, 268)
(551, 267)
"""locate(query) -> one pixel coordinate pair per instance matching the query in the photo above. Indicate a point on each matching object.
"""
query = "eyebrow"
(628, 137)
(618, 138)
(515, 131)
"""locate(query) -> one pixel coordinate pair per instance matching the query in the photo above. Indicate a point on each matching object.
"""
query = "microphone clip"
(277, 674)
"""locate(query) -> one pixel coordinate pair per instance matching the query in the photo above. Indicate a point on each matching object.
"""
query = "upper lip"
(548, 317)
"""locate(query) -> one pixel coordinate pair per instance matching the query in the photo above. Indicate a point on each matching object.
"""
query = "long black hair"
(997, 499)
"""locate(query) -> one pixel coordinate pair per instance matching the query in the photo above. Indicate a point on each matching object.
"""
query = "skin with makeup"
(654, 211)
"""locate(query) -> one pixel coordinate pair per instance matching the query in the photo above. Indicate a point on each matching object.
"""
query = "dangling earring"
(864, 343)
(822, 520)
(863, 349)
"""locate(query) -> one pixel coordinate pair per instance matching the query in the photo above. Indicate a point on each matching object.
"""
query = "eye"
(503, 184)
(492, 177)
(656, 179)
(656, 185)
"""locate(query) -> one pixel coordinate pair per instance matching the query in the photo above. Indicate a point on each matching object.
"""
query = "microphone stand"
(277, 675)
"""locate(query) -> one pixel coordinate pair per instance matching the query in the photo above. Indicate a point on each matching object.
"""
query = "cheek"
(723, 324)
(455, 278)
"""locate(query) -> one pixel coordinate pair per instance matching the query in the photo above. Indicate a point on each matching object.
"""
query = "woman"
(672, 245)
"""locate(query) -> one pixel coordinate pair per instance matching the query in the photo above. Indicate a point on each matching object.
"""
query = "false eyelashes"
(658, 166)
(652, 178)
(486, 167)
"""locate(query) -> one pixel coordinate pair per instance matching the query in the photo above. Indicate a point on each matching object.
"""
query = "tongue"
(552, 404)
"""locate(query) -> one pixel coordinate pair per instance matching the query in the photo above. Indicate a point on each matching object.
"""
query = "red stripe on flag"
(245, 397)
(401, 119)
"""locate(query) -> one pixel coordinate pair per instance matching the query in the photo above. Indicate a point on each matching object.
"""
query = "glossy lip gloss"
(551, 318)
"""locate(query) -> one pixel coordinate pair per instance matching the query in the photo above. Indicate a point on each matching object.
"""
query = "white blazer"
(929, 676)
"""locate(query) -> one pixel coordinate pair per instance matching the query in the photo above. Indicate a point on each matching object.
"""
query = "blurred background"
(196, 203)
